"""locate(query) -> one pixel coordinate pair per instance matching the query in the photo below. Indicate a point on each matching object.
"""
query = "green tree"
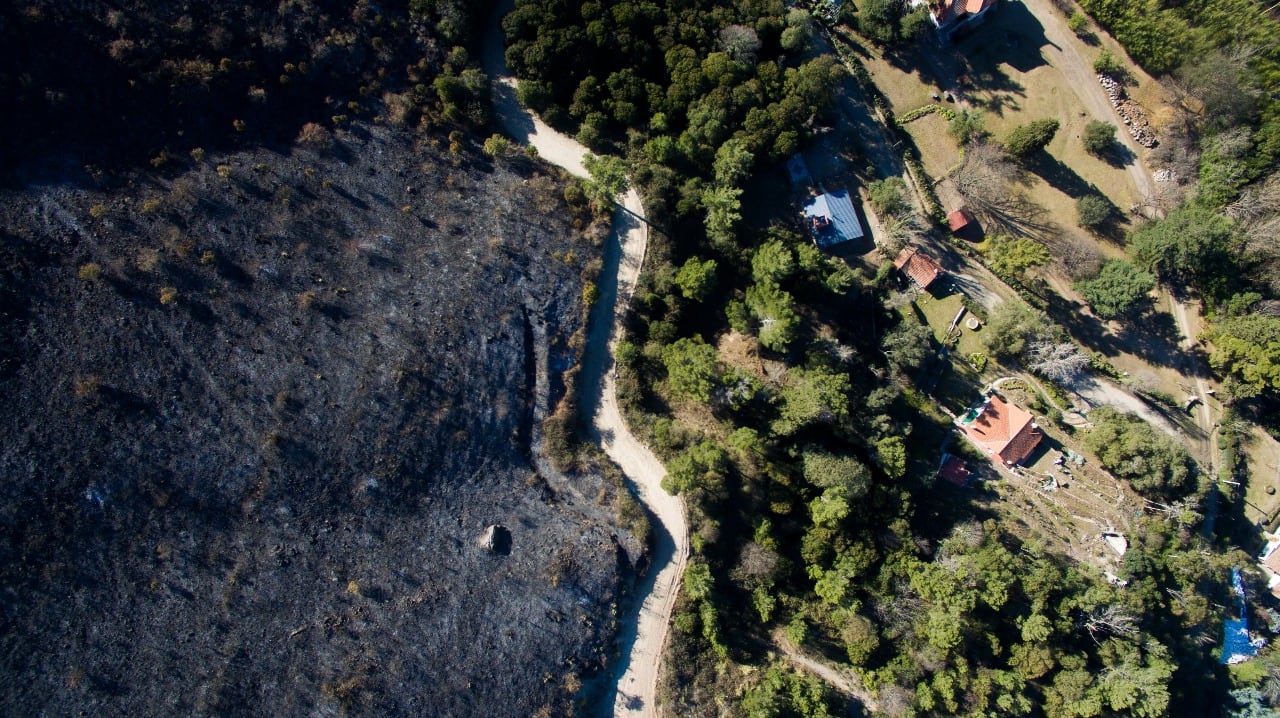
(968, 126)
(733, 163)
(1025, 140)
(1099, 137)
(908, 345)
(1118, 289)
(880, 20)
(701, 468)
(608, 176)
(1093, 211)
(812, 396)
(775, 310)
(773, 262)
(1131, 449)
(1013, 258)
(860, 639)
(889, 196)
(1010, 329)
(1191, 244)
(696, 278)
(722, 204)
(891, 452)
(1247, 349)
(693, 370)
(826, 470)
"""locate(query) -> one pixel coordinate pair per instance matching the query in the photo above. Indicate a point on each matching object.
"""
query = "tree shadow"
(1151, 336)
(1118, 155)
(1059, 175)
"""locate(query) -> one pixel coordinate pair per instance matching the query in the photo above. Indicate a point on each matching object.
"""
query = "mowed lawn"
(1009, 81)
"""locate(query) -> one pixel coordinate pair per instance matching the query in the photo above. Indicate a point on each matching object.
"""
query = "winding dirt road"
(643, 635)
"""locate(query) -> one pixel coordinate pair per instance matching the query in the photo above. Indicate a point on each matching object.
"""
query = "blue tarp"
(841, 221)
(1236, 643)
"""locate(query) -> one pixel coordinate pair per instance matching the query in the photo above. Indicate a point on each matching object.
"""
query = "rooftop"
(959, 219)
(1004, 431)
(832, 219)
(918, 266)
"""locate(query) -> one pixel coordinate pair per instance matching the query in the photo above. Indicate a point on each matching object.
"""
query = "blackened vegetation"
(138, 81)
(257, 419)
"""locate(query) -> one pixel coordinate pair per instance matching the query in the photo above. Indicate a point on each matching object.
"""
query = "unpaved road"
(1063, 53)
(842, 678)
(645, 632)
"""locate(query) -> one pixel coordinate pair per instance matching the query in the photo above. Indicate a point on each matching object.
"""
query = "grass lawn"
(1263, 456)
(939, 311)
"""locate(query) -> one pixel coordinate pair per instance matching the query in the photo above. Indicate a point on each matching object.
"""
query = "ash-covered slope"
(258, 416)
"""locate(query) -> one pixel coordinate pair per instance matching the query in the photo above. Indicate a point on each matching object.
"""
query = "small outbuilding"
(956, 17)
(958, 220)
(954, 470)
(918, 267)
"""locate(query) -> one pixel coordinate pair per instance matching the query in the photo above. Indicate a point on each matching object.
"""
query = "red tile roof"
(1004, 430)
(918, 267)
(949, 10)
(959, 219)
(955, 471)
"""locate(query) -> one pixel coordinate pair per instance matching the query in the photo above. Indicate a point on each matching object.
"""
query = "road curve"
(643, 633)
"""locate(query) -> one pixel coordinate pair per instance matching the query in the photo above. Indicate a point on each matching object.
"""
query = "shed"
(954, 470)
(918, 267)
(959, 219)
(831, 218)
(798, 170)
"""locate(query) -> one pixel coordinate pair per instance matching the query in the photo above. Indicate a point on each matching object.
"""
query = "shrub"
(168, 295)
(314, 135)
(1108, 64)
(1093, 211)
(1099, 137)
(1032, 137)
(90, 271)
(496, 146)
(1079, 23)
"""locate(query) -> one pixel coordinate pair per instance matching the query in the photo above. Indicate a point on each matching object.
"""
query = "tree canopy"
(1131, 449)
(1118, 289)
(1025, 140)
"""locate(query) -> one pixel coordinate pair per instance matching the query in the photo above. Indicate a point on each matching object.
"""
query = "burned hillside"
(261, 415)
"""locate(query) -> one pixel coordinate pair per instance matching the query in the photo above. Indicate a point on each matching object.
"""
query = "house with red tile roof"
(951, 16)
(918, 267)
(1008, 434)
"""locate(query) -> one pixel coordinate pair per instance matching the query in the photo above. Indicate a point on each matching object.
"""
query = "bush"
(90, 271)
(1093, 211)
(888, 196)
(1118, 289)
(1032, 137)
(1099, 137)
(1079, 23)
(1108, 64)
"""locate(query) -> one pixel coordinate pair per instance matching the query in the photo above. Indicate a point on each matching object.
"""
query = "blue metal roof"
(842, 221)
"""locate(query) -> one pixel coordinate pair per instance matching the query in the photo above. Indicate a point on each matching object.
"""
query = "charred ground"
(260, 412)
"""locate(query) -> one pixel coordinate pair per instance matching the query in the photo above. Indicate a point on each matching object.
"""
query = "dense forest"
(807, 467)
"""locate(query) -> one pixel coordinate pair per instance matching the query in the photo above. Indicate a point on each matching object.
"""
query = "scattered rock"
(497, 540)
(1129, 111)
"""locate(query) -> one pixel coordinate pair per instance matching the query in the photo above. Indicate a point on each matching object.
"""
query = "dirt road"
(842, 678)
(644, 633)
(1063, 52)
